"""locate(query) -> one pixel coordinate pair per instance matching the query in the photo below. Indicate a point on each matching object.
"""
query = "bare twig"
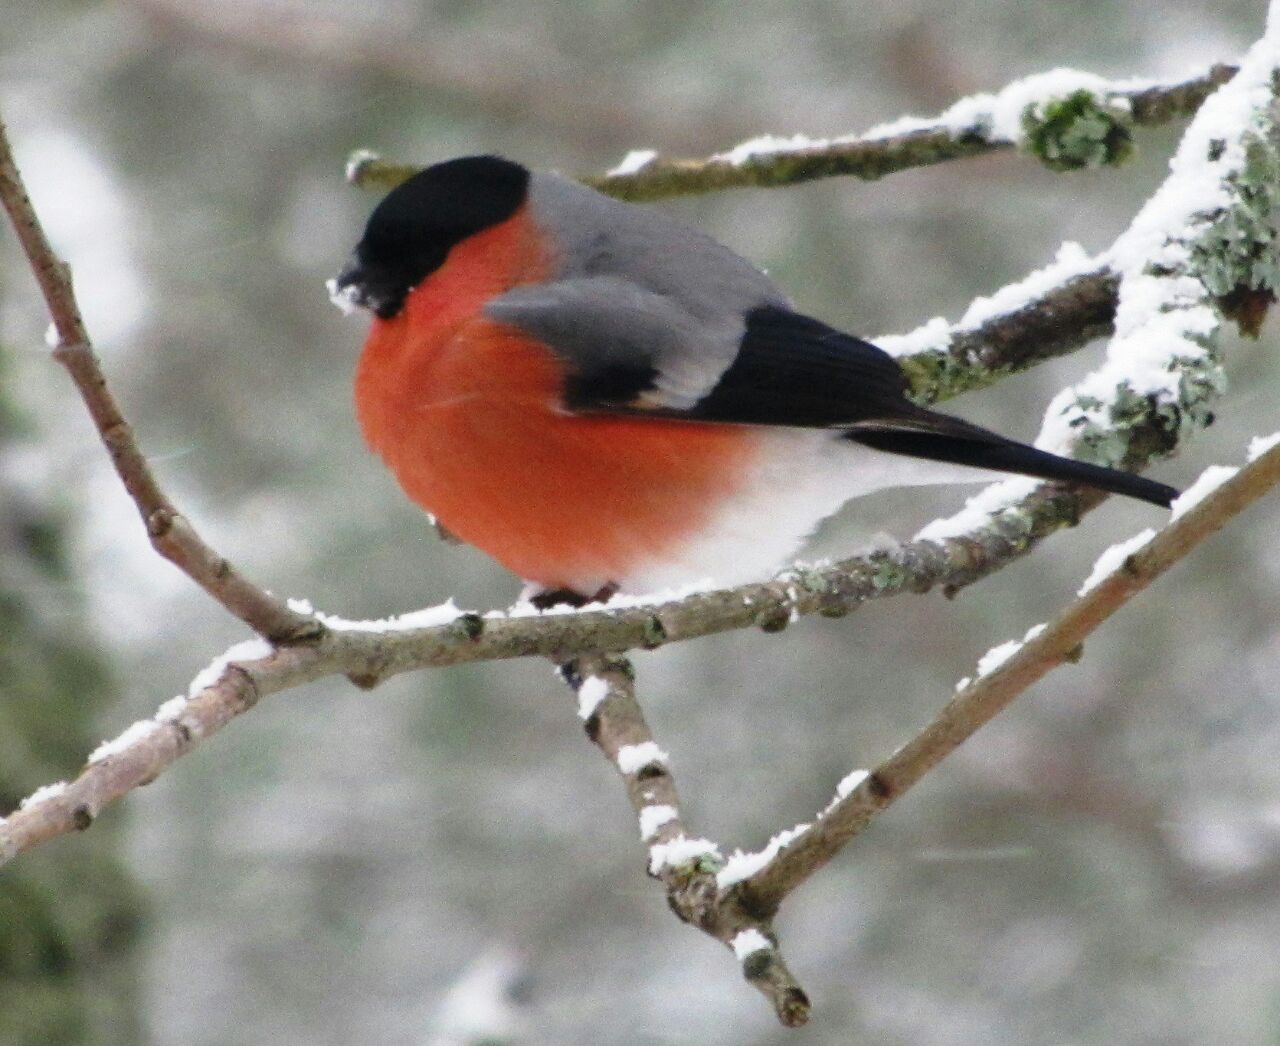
(979, 702)
(171, 533)
(868, 156)
(686, 866)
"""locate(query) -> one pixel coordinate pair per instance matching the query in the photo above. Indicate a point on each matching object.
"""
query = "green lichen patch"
(1079, 131)
(1239, 251)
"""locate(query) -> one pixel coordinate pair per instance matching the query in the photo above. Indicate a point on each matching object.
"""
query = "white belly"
(800, 478)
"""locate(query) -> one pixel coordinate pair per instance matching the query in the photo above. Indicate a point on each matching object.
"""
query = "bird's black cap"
(410, 233)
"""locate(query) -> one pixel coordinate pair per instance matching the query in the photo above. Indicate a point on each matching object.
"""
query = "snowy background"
(1102, 865)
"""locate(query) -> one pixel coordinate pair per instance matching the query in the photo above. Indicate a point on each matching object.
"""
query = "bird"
(605, 399)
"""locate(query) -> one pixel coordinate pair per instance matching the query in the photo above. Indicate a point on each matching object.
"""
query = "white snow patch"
(1208, 481)
(1113, 558)
(428, 617)
(632, 757)
(963, 683)
(590, 694)
(998, 117)
(844, 789)
(654, 817)
(1070, 261)
(635, 160)
(979, 509)
(142, 728)
(1259, 445)
(933, 336)
(172, 710)
(359, 160)
(248, 650)
(680, 851)
(748, 942)
(742, 865)
(52, 339)
(43, 794)
(849, 782)
(998, 655)
(771, 145)
(995, 117)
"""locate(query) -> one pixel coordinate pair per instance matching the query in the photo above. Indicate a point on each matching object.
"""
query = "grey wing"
(626, 347)
(634, 288)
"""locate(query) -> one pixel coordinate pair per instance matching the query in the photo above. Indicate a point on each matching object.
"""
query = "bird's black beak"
(360, 286)
(346, 289)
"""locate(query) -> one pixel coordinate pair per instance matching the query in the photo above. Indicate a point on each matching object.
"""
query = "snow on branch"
(1178, 266)
(1068, 119)
(1048, 313)
(687, 866)
(988, 693)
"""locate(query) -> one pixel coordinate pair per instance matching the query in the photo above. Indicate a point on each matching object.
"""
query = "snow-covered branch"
(1067, 118)
(1176, 263)
(686, 865)
(1002, 676)
(1048, 313)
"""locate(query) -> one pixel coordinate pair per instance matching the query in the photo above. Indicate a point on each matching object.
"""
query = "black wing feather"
(794, 370)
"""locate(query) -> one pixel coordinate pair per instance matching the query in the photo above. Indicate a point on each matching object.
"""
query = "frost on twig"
(1162, 370)
(687, 866)
(1008, 674)
(1067, 118)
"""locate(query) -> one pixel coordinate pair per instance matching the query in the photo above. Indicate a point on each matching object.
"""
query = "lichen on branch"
(1083, 120)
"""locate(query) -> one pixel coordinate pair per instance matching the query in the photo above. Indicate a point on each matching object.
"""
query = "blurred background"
(446, 860)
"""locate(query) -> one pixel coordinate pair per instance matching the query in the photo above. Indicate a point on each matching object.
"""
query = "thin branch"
(238, 683)
(235, 683)
(1173, 268)
(1055, 311)
(373, 651)
(965, 131)
(170, 532)
(686, 866)
(979, 702)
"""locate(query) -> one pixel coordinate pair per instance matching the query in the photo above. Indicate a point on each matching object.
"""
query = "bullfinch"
(605, 399)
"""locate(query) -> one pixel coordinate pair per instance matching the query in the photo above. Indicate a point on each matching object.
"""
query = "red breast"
(466, 412)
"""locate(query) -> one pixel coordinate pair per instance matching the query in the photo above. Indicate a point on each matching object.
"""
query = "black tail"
(939, 437)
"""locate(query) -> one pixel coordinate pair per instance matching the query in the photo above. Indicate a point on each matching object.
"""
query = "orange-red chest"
(466, 413)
